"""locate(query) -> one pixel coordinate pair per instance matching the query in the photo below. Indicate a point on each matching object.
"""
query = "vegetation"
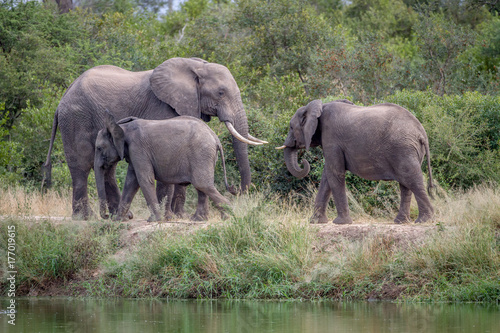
(439, 59)
(265, 250)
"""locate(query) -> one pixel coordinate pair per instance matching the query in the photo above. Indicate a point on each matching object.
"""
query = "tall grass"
(45, 252)
(268, 249)
(255, 254)
(55, 203)
(17, 201)
(459, 260)
(462, 261)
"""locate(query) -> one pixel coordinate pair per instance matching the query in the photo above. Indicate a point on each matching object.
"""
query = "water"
(144, 316)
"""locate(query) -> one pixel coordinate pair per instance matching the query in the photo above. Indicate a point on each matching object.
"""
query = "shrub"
(249, 256)
(462, 130)
(45, 251)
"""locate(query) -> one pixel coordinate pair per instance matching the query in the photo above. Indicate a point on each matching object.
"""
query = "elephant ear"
(175, 82)
(312, 112)
(116, 133)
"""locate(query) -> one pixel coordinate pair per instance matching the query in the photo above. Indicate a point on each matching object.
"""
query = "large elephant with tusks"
(177, 87)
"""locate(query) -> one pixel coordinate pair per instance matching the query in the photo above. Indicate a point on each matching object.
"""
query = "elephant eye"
(221, 93)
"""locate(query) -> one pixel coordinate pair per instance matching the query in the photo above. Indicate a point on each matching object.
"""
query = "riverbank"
(266, 250)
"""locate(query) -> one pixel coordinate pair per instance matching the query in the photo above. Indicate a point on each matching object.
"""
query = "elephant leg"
(113, 194)
(164, 194)
(425, 210)
(404, 207)
(81, 208)
(321, 202)
(129, 191)
(218, 199)
(147, 184)
(337, 184)
(335, 172)
(201, 213)
(178, 200)
(414, 181)
(163, 191)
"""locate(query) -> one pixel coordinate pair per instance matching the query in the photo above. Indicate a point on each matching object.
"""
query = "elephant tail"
(430, 184)
(47, 166)
(231, 189)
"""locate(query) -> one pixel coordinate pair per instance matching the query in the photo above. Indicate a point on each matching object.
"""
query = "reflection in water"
(144, 316)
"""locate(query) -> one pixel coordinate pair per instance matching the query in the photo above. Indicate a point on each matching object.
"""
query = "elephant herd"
(155, 120)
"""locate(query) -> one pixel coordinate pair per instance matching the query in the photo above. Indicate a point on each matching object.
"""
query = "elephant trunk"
(101, 191)
(293, 165)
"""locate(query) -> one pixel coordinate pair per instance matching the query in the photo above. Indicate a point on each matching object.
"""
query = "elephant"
(181, 150)
(177, 87)
(379, 142)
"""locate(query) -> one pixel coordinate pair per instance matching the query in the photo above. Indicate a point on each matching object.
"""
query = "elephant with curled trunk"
(177, 87)
(180, 150)
(380, 142)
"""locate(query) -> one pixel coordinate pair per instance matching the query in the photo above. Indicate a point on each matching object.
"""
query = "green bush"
(463, 135)
(245, 257)
(45, 251)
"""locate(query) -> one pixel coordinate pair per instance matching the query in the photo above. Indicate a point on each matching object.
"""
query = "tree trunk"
(64, 5)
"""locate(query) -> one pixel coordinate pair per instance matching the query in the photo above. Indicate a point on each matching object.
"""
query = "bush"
(462, 130)
(45, 251)
(249, 256)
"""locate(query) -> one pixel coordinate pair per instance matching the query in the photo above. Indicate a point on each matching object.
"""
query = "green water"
(144, 316)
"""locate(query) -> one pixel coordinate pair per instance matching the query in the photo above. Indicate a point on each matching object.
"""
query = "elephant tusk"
(256, 140)
(282, 147)
(239, 136)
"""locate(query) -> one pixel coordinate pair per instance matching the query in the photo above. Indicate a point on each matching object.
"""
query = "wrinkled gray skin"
(180, 150)
(179, 86)
(380, 142)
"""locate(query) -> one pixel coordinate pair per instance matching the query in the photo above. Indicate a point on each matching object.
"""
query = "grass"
(17, 201)
(267, 249)
(46, 252)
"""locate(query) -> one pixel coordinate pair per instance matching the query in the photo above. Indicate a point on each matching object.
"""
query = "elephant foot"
(318, 219)
(424, 218)
(400, 219)
(343, 220)
(169, 215)
(154, 218)
(178, 209)
(199, 217)
(83, 215)
(181, 215)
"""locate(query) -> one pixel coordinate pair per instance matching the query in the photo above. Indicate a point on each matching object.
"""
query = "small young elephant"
(380, 142)
(180, 150)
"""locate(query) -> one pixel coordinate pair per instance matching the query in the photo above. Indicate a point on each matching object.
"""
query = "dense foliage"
(439, 59)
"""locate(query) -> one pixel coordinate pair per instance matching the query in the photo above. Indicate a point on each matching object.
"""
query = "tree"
(388, 18)
(282, 34)
(64, 5)
(32, 52)
(441, 42)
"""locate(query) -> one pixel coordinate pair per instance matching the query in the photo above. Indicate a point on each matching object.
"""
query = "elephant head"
(194, 87)
(110, 149)
(302, 128)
